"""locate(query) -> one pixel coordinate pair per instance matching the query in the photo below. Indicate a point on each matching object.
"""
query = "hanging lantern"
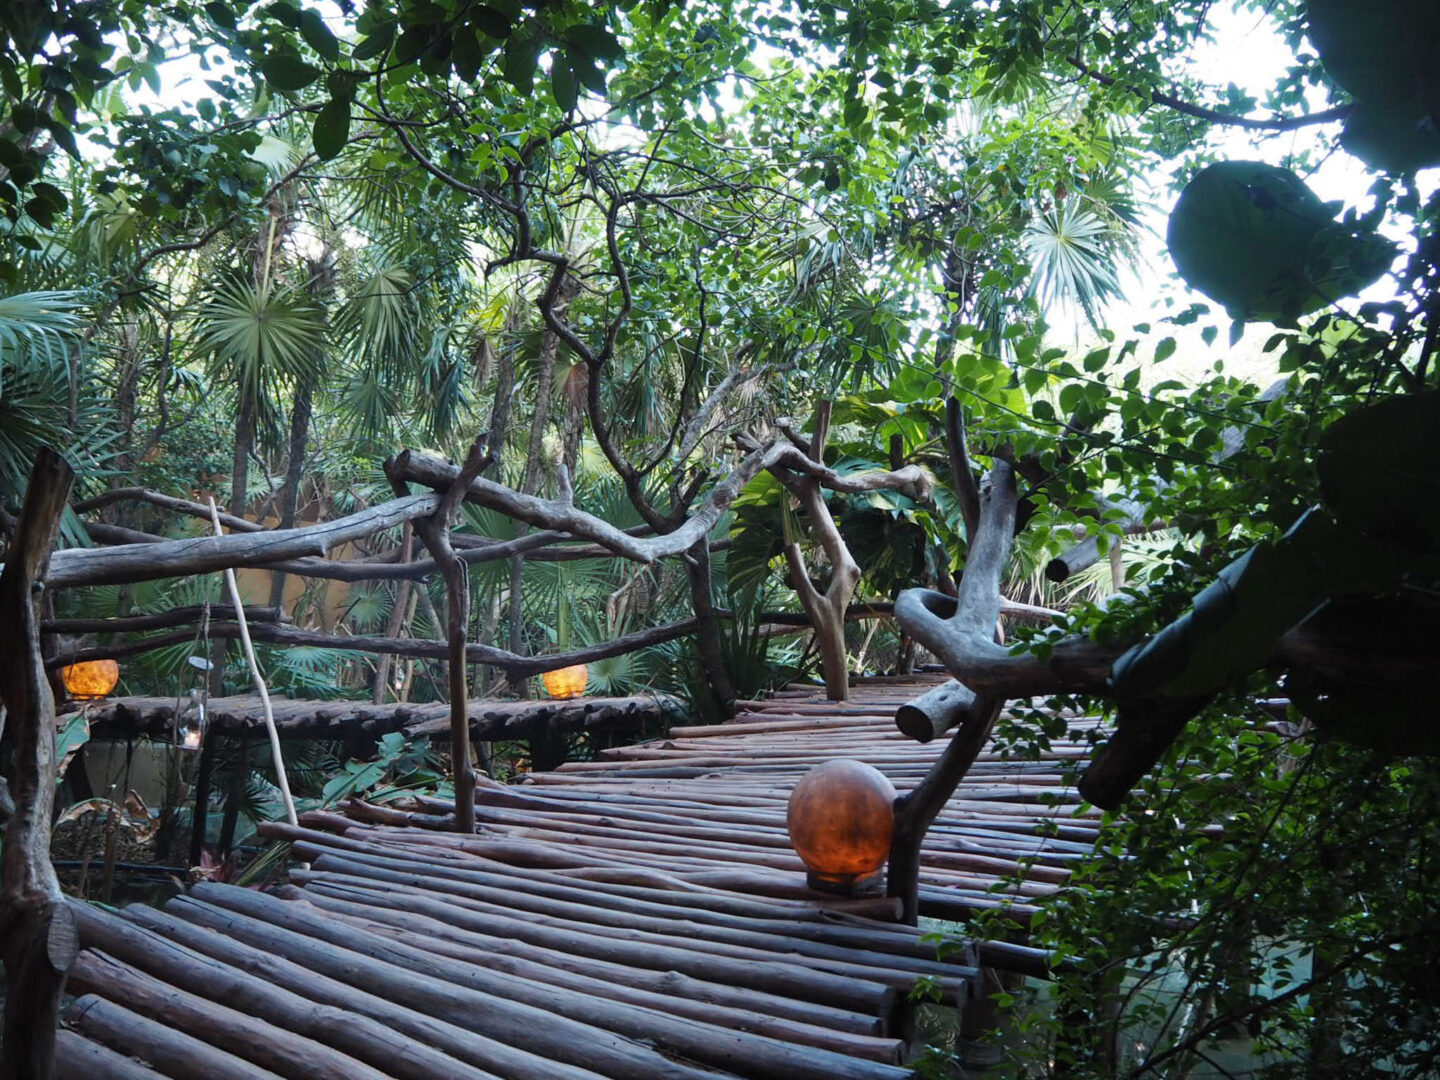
(90, 679)
(190, 722)
(841, 816)
(566, 682)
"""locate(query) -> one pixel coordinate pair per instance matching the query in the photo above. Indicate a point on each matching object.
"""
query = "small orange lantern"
(841, 816)
(90, 679)
(566, 682)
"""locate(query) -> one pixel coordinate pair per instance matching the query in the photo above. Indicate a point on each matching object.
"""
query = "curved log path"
(639, 917)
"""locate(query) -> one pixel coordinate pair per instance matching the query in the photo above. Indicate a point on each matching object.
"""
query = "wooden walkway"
(640, 917)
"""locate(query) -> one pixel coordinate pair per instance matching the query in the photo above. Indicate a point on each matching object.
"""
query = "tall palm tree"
(262, 337)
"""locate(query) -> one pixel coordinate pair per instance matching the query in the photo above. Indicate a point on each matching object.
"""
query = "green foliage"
(262, 336)
(1255, 238)
(358, 778)
(1390, 141)
(1382, 53)
(891, 199)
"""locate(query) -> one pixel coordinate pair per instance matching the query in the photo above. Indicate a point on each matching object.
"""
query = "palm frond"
(38, 325)
(1071, 254)
(261, 337)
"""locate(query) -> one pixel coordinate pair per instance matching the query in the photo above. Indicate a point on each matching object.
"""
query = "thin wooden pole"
(260, 686)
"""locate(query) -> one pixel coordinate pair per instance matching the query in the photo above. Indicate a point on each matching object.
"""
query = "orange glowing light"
(90, 679)
(841, 816)
(566, 682)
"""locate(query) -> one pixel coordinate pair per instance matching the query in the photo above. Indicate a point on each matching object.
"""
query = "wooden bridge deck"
(640, 917)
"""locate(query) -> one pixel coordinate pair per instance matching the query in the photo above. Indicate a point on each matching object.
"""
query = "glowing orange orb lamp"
(90, 679)
(566, 682)
(841, 816)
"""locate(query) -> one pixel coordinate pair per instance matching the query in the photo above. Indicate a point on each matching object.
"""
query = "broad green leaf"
(1255, 238)
(1382, 51)
(562, 82)
(332, 128)
(285, 71)
(318, 36)
(596, 40)
(491, 21)
(517, 63)
(1391, 140)
(586, 71)
(1380, 468)
(221, 14)
(376, 43)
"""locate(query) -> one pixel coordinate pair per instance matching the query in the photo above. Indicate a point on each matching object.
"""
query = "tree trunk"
(707, 629)
(435, 532)
(544, 390)
(530, 480)
(233, 798)
(294, 472)
(125, 389)
(37, 931)
(239, 479)
(398, 614)
(574, 391)
(504, 392)
(827, 610)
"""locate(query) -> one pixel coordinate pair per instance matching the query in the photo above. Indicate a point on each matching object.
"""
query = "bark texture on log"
(434, 650)
(37, 932)
(361, 723)
(203, 554)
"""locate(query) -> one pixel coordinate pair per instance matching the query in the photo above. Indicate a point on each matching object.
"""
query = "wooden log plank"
(384, 1046)
(204, 554)
(626, 908)
(461, 1053)
(941, 851)
(131, 717)
(657, 953)
(710, 1036)
(456, 901)
(657, 889)
(77, 1058)
(178, 1055)
(670, 991)
(238, 1033)
(630, 871)
(484, 1001)
(968, 834)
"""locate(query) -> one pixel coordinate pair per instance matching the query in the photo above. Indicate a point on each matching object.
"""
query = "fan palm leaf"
(37, 326)
(262, 336)
(1070, 249)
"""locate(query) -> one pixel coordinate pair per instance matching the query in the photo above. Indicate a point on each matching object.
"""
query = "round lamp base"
(871, 884)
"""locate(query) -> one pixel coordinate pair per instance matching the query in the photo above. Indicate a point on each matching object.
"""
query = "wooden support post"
(200, 816)
(398, 617)
(37, 931)
(916, 810)
(936, 711)
(707, 625)
(235, 796)
(435, 532)
(990, 530)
